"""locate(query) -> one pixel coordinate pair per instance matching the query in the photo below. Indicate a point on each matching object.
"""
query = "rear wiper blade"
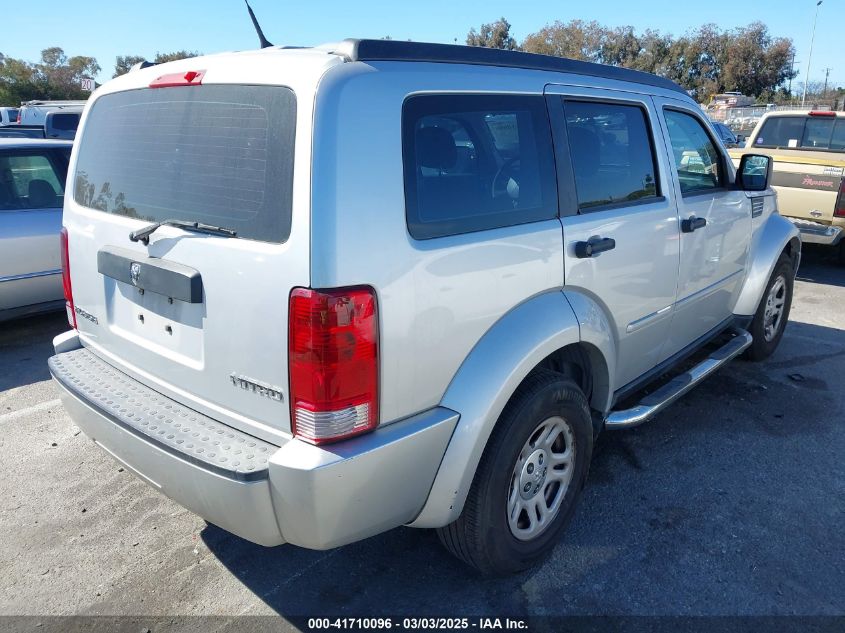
(144, 234)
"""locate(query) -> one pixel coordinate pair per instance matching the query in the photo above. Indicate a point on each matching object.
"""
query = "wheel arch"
(776, 237)
(529, 337)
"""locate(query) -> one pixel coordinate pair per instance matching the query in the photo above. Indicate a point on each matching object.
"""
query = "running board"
(655, 402)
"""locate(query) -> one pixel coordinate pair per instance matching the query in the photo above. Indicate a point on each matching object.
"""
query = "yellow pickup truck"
(808, 148)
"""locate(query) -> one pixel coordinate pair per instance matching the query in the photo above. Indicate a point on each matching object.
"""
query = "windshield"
(215, 154)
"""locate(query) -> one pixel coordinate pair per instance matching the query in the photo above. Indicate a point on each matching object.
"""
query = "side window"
(612, 153)
(697, 160)
(476, 162)
(29, 181)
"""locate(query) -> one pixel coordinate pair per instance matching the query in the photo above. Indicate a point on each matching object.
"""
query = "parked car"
(61, 124)
(8, 116)
(726, 135)
(808, 148)
(22, 131)
(409, 289)
(32, 181)
(35, 112)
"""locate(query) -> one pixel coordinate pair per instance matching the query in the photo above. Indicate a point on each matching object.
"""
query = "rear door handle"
(593, 247)
(692, 223)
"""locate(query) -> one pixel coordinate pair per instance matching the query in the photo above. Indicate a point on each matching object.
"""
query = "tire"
(766, 333)
(841, 257)
(483, 536)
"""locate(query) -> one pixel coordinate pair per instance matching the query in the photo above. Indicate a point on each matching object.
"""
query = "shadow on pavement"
(819, 265)
(25, 346)
(720, 505)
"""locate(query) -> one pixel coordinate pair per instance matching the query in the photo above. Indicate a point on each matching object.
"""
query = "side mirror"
(755, 172)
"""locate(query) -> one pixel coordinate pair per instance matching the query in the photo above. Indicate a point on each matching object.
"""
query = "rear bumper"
(314, 497)
(818, 233)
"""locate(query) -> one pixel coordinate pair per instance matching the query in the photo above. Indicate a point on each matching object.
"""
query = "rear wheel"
(842, 252)
(529, 480)
(773, 312)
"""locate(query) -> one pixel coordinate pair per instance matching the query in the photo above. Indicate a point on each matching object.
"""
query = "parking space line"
(22, 413)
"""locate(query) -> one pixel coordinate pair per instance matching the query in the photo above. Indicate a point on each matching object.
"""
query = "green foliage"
(56, 76)
(705, 61)
(495, 35)
(124, 62)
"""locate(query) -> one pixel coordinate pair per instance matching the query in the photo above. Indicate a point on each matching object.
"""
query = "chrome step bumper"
(817, 233)
(655, 402)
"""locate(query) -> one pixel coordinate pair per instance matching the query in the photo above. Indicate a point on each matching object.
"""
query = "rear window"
(803, 132)
(220, 155)
(65, 121)
(476, 162)
(13, 115)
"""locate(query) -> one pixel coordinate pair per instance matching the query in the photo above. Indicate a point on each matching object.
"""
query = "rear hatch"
(200, 317)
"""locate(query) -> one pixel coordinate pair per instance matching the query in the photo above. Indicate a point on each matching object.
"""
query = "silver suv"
(320, 293)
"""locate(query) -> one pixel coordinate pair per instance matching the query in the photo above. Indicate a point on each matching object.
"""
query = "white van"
(35, 112)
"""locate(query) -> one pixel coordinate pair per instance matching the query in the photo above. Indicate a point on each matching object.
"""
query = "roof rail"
(356, 50)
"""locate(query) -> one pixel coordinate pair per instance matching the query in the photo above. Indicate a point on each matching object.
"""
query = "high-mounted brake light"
(839, 209)
(333, 362)
(190, 78)
(822, 113)
(71, 314)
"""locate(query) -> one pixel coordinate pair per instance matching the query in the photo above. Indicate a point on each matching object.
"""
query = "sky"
(105, 29)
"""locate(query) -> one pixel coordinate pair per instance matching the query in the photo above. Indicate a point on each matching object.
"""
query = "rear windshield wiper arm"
(144, 234)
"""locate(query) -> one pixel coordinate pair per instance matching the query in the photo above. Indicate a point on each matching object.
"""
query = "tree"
(575, 39)
(495, 35)
(60, 76)
(55, 76)
(161, 58)
(619, 46)
(704, 61)
(123, 63)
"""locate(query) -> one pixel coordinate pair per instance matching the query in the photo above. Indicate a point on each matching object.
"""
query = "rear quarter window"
(476, 162)
(216, 154)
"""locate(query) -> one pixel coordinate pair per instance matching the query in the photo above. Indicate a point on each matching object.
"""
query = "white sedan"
(32, 186)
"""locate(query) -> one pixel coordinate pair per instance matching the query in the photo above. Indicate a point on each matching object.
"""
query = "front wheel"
(773, 312)
(529, 480)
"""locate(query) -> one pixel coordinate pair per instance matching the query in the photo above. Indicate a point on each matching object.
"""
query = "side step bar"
(655, 402)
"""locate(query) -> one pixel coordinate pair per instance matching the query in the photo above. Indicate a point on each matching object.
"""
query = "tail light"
(19, 117)
(71, 315)
(839, 209)
(333, 362)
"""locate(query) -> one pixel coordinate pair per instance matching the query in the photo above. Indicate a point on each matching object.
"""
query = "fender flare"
(482, 386)
(768, 244)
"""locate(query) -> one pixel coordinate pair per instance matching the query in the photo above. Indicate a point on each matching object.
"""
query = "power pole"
(810, 58)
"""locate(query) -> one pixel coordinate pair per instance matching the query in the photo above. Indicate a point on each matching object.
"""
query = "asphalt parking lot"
(729, 503)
